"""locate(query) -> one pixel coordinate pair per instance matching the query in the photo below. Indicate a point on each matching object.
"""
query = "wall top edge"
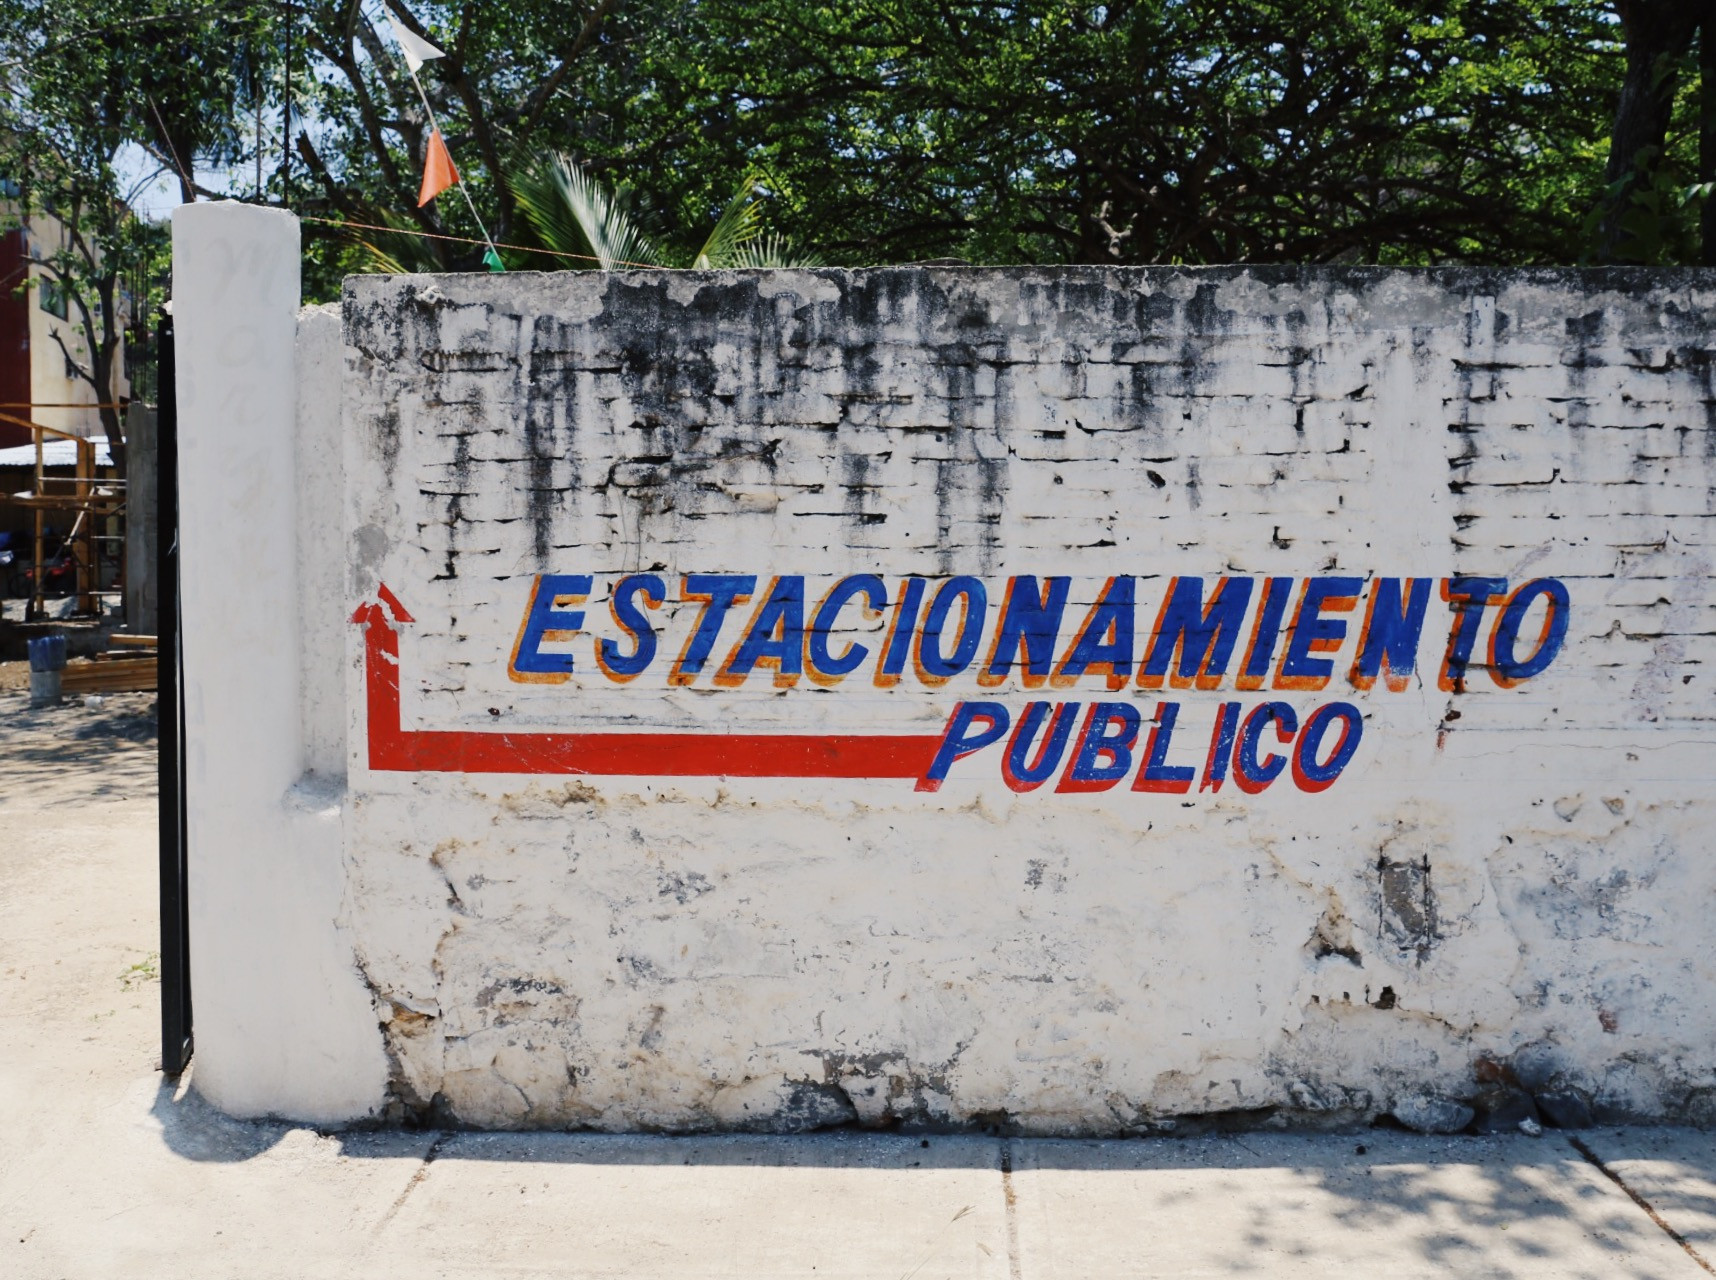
(1633, 279)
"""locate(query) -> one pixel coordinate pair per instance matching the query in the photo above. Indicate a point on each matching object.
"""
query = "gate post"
(284, 1024)
(170, 712)
(235, 306)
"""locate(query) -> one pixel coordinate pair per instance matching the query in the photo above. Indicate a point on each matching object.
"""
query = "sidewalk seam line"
(1641, 1202)
(421, 1173)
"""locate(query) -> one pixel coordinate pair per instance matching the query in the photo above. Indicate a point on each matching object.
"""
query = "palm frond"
(404, 253)
(773, 253)
(374, 259)
(575, 214)
(738, 225)
(538, 194)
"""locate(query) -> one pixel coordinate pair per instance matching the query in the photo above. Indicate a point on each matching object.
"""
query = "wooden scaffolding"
(95, 506)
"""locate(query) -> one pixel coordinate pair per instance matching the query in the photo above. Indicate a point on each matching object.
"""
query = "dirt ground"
(94, 747)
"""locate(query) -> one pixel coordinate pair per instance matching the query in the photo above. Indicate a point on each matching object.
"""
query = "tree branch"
(538, 101)
(71, 361)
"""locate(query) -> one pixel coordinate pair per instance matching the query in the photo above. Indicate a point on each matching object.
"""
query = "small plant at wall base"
(148, 969)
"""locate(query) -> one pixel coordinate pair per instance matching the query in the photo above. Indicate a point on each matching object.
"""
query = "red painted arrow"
(703, 755)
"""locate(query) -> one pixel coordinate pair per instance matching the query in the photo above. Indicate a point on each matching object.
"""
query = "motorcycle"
(18, 576)
(58, 576)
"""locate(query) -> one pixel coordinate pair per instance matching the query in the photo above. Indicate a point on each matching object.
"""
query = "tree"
(78, 81)
(1175, 130)
(1049, 130)
(1645, 187)
(495, 94)
(1133, 131)
(1707, 133)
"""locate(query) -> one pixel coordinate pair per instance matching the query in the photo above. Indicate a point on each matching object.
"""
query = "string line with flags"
(439, 171)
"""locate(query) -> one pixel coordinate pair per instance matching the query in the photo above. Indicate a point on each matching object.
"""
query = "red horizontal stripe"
(711, 755)
(682, 755)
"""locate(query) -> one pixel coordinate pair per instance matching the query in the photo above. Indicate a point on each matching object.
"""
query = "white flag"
(417, 50)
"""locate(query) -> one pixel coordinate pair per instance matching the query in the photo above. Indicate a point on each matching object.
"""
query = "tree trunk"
(115, 432)
(1658, 33)
(104, 363)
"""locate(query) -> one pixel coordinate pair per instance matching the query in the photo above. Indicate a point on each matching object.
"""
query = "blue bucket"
(47, 653)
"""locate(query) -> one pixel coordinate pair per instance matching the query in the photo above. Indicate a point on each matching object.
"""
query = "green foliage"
(1659, 214)
(1660, 198)
(78, 81)
(519, 80)
(1042, 130)
(1174, 130)
(575, 214)
(738, 225)
(1134, 131)
(583, 224)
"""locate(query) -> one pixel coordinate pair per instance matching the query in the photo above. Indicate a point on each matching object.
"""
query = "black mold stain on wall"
(646, 400)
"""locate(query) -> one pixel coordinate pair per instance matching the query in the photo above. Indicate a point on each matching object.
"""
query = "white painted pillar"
(283, 1024)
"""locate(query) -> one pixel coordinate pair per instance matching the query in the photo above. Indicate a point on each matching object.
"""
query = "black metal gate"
(175, 918)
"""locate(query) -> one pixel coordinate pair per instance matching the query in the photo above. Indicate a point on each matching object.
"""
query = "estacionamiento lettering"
(1243, 633)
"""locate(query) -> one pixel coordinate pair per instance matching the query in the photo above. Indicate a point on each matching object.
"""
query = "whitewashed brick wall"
(1518, 873)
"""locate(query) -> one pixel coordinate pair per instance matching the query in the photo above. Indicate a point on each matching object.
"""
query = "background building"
(37, 381)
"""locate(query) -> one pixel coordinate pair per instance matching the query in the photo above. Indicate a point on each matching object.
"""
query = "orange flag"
(438, 170)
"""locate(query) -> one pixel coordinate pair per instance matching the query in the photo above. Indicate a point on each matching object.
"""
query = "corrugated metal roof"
(55, 453)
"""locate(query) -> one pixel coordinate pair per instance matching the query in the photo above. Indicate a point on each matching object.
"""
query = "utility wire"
(430, 235)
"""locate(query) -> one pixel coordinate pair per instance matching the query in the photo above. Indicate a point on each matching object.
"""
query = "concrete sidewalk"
(107, 1170)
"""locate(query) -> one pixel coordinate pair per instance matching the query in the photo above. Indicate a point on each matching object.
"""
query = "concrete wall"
(767, 891)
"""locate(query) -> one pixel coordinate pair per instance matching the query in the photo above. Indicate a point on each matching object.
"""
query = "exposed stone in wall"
(1514, 874)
